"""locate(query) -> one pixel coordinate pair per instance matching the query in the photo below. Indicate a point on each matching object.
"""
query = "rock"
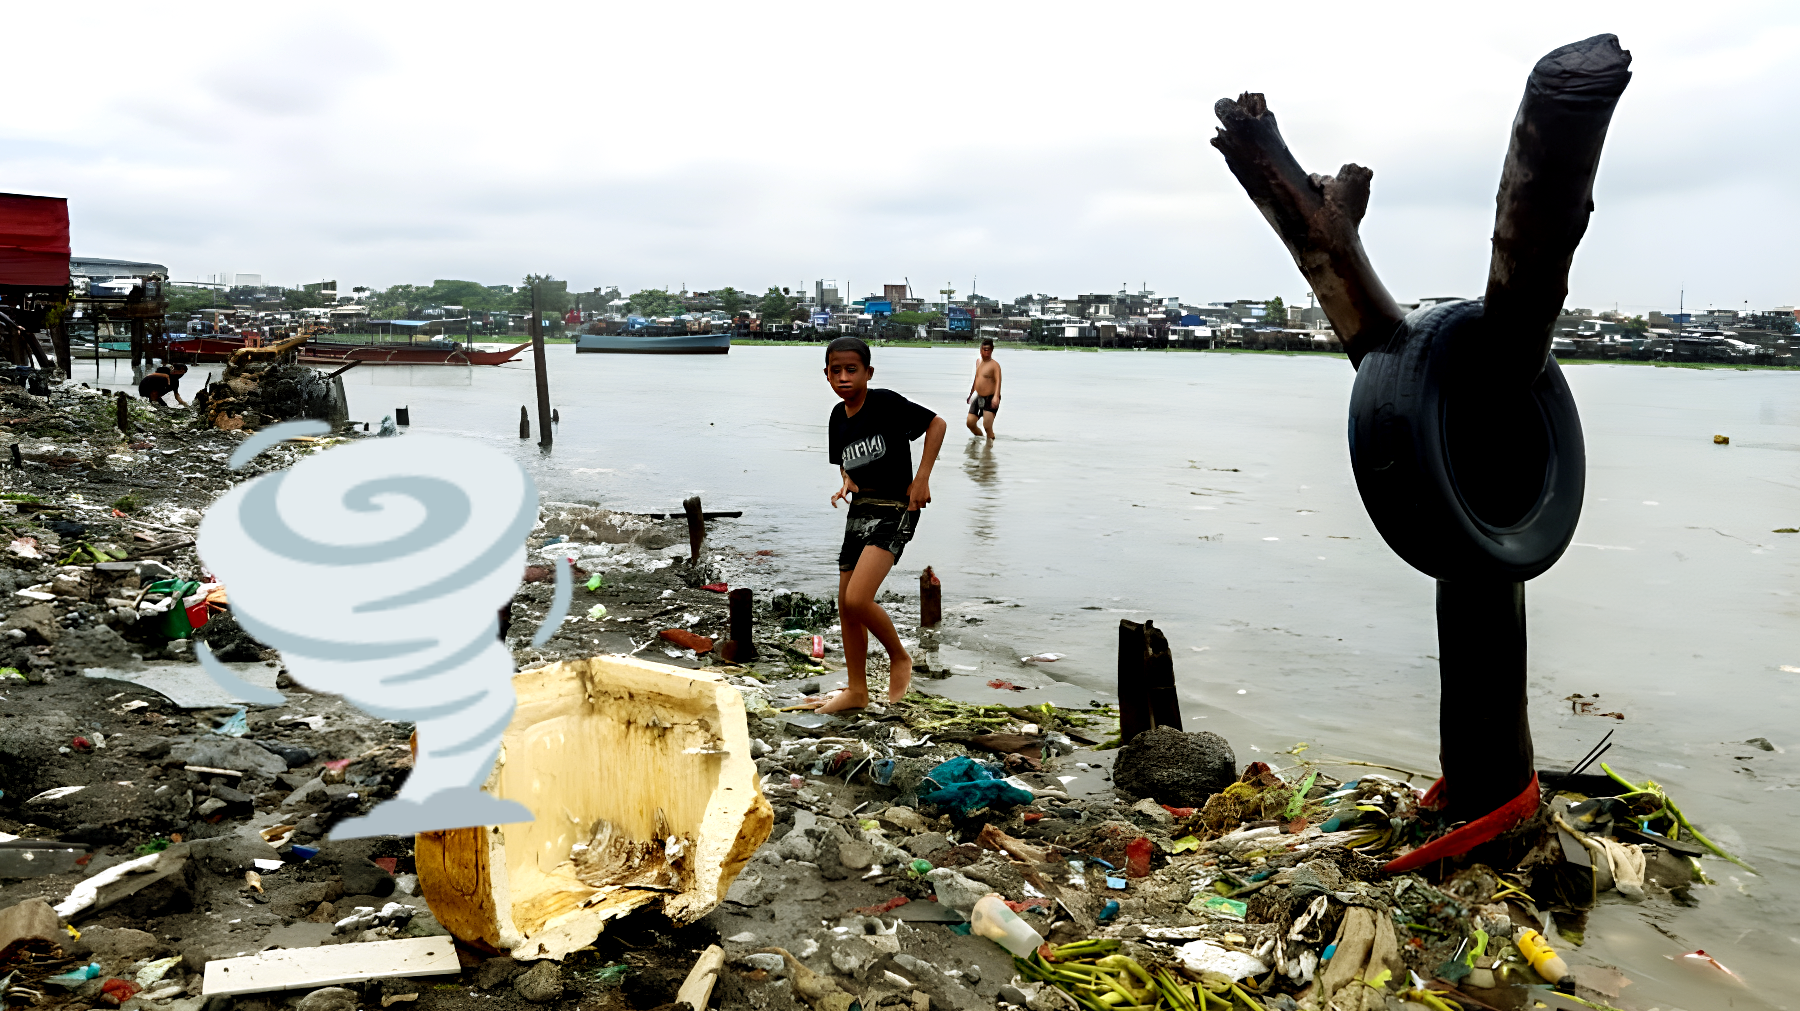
(364, 878)
(331, 998)
(208, 806)
(541, 983)
(1013, 995)
(228, 640)
(831, 866)
(423, 924)
(293, 755)
(97, 646)
(218, 752)
(973, 972)
(925, 844)
(744, 937)
(798, 845)
(1175, 768)
(852, 956)
(766, 961)
(954, 890)
(856, 854)
(903, 818)
(495, 971)
(38, 622)
(121, 944)
(300, 898)
(1153, 811)
(311, 793)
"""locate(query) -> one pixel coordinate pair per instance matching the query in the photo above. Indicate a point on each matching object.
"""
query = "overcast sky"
(1042, 146)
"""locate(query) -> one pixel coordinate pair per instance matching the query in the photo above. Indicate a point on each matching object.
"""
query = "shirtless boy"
(870, 440)
(984, 392)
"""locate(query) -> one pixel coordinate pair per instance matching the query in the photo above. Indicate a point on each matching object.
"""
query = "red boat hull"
(403, 354)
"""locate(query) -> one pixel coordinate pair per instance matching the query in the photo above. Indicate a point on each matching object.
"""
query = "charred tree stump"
(1465, 440)
(741, 647)
(696, 521)
(931, 599)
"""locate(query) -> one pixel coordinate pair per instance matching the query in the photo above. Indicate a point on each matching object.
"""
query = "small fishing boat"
(198, 348)
(427, 353)
(640, 343)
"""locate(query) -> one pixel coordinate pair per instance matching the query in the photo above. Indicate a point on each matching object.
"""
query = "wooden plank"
(305, 968)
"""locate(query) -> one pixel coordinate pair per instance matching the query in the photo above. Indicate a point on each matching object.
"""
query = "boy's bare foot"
(845, 699)
(899, 676)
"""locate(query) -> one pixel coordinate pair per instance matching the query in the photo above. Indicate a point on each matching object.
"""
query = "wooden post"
(137, 342)
(543, 372)
(402, 415)
(59, 339)
(524, 422)
(124, 415)
(696, 526)
(18, 458)
(1134, 699)
(742, 646)
(931, 599)
(1159, 679)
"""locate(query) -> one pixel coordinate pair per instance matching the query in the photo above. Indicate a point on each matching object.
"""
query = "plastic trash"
(1108, 911)
(1542, 957)
(236, 726)
(1221, 905)
(1042, 658)
(818, 647)
(117, 991)
(596, 612)
(1137, 857)
(595, 582)
(965, 785)
(75, 977)
(882, 771)
(1116, 884)
(993, 920)
(919, 866)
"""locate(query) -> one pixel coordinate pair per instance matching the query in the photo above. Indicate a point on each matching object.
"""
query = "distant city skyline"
(953, 140)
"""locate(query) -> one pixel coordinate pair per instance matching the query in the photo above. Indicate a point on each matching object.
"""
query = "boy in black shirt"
(871, 432)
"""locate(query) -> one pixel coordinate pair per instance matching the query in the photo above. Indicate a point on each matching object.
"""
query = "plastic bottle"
(993, 920)
(1542, 957)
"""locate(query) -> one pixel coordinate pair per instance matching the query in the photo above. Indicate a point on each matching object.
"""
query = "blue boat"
(642, 343)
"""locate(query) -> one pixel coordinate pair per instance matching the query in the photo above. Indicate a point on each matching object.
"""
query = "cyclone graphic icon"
(377, 570)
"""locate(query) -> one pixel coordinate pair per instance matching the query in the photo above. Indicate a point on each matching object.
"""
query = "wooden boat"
(329, 353)
(204, 348)
(641, 344)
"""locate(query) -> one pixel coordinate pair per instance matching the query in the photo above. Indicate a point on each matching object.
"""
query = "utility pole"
(543, 373)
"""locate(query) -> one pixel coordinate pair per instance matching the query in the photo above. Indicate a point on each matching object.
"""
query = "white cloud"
(1052, 147)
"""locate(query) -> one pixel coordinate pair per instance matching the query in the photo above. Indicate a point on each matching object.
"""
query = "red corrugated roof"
(34, 240)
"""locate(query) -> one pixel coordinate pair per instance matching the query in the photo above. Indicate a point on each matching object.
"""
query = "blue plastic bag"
(966, 785)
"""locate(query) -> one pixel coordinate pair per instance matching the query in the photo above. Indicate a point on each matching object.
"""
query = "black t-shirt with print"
(873, 446)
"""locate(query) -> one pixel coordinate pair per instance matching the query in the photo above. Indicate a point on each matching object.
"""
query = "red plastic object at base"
(717, 587)
(118, 991)
(1137, 858)
(1471, 835)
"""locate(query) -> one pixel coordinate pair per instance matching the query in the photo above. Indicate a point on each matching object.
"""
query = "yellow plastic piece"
(1542, 957)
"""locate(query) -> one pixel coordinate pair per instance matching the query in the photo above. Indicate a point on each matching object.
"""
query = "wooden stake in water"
(543, 372)
(931, 599)
(524, 422)
(696, 527)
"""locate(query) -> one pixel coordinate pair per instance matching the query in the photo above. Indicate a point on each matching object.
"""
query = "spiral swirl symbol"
(377, 569)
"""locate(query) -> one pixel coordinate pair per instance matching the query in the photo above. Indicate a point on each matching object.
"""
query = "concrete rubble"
(202, 821)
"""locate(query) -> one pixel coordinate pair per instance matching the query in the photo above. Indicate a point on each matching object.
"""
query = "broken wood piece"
(1546, 197)
(644, 790)
(993, 838)
(211, 771)
(742, 646)
(696, 990)
(1316, 217)
(306, 968)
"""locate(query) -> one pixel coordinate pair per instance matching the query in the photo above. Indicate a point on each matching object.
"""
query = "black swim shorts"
(980, 404)
(876, 522)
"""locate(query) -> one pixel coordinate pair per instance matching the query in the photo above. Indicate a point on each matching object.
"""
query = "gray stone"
(852, 956)
(973, 972)
(218, 752)
(925, 844)
(766, 961)
(856, 854)
(1153, 811)
(955, 891)
(208, 806)
(902, 818)
(1175, 768)
(331, 998)
(364, 878)
(541, 983)
(798, 845)
(120, 944)
(495, 971)
(1013, 995)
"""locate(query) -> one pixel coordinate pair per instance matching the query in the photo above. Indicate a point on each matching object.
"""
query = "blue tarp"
(966, 785)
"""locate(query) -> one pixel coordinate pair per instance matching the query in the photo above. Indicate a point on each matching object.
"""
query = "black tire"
(1461, 482)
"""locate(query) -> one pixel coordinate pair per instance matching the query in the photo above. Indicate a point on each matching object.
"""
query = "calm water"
(1213, 494)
